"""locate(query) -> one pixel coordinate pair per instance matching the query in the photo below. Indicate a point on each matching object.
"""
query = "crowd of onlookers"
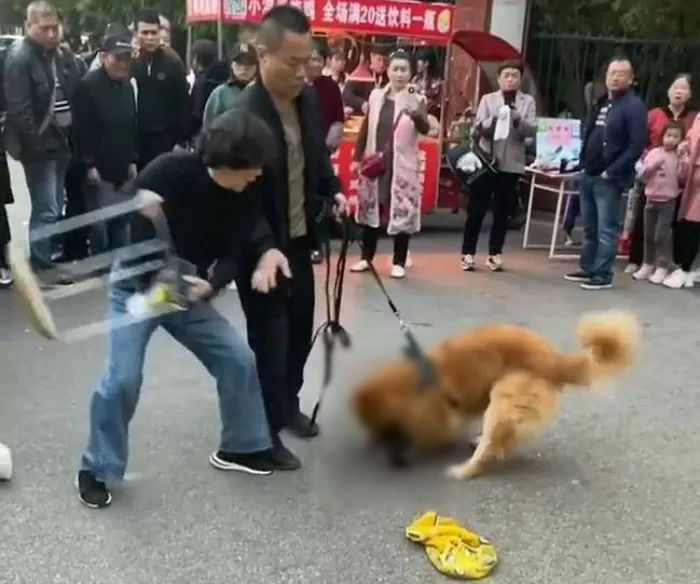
(117, 106)
(82, 125)
(659, 153)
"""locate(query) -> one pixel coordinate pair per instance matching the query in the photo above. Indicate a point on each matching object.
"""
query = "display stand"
(564, 186)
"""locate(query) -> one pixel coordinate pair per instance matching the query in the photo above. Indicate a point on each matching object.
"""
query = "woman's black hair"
(512, 64)
(236, 140)
(400, 54)
(322, 49)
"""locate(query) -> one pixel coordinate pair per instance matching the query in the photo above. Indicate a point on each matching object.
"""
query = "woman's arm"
(420, 118)
(527, 125)
(361, 143)
(483, 121)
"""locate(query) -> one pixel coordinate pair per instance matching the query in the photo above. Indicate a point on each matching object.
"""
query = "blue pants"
(600, 211)
(215, 343)
(46, 183)
(572, 214)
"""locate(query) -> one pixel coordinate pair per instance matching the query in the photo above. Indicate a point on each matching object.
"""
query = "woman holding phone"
(504, 119)
(396, 117)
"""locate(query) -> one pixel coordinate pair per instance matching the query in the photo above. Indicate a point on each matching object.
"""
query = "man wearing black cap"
(244, 66)
(105, 127)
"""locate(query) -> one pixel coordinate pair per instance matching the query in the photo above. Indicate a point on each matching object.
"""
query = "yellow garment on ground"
(451, 548)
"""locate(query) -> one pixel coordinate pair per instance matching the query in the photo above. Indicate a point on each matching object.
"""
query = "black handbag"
(489, 165)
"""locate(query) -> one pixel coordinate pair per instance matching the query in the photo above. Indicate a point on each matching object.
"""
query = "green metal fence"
(563, 64)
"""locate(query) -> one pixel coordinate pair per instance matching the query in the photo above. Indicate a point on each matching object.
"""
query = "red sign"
(388, 17)
(429, 167)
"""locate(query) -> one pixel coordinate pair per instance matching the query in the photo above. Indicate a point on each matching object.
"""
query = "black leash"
(332, 331)
(412, 350)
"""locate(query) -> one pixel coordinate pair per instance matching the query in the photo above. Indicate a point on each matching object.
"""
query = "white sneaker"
(659, 276)
(5, 463)
(468, 263)
(361, 266)
(644, 273)
(407, 265)
(679, 279)
(494, 263)
(631, 268)
(5, 277)
(398, 272)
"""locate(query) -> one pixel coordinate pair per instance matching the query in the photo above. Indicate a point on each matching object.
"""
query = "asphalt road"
(608, 495)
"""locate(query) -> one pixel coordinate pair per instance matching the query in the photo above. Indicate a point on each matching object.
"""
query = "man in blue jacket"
(616, 136)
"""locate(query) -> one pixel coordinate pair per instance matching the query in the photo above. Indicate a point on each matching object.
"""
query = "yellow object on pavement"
(451, 548)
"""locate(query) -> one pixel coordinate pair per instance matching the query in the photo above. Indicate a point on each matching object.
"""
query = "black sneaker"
(577, 277)
(282, 457)
(596, 285)
(255, 463)
(91, 492)
(300, 425)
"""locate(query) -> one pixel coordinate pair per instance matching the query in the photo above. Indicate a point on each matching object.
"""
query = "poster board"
(558, 140)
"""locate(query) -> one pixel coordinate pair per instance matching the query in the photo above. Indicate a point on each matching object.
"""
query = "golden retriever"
(510, 375)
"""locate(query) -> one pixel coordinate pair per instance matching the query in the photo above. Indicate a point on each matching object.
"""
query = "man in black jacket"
(39, 82)
(295, 185)
(105, 130)
(163, 92)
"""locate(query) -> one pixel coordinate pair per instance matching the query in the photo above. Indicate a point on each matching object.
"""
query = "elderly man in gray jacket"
(504, 119)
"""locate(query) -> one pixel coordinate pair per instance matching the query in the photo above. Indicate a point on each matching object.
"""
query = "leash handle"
(332, 331)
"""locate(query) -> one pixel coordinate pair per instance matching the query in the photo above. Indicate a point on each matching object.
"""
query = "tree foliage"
(657, 19)
(94, 15)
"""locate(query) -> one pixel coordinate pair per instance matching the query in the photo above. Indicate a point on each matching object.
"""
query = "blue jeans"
(46, 183)
(215, 343)
(600, 211)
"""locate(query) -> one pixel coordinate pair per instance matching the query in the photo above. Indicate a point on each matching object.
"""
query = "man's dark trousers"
(280, 328)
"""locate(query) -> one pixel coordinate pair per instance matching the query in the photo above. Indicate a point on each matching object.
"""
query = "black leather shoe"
(300, 425)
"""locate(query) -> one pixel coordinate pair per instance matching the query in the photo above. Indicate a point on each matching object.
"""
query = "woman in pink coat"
(688, 228)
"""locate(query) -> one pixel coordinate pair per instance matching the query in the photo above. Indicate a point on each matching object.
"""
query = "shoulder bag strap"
(390, 141)
(52, 100)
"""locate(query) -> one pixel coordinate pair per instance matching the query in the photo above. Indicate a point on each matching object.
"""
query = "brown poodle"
(510, 375)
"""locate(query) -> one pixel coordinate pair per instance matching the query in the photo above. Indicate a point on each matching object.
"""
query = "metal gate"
(563, 64)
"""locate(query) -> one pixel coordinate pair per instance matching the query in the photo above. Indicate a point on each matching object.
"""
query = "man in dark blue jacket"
(615, 139)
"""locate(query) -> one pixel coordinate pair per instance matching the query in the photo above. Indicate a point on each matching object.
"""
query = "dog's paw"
(457, 472)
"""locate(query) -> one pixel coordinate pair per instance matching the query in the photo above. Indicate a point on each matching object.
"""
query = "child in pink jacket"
(662, 179)
(688, 227)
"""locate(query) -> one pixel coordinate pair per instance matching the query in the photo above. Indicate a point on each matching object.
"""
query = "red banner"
(429, 168)
(386, 17)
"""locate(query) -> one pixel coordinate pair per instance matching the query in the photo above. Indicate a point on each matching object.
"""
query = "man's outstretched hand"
(265, 275)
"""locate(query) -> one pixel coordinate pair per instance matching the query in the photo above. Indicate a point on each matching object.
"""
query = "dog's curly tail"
(611, 340)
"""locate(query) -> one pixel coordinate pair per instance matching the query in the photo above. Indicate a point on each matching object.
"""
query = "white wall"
(508, 21)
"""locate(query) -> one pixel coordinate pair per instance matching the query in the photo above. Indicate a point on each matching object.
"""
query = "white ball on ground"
(5, 463)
